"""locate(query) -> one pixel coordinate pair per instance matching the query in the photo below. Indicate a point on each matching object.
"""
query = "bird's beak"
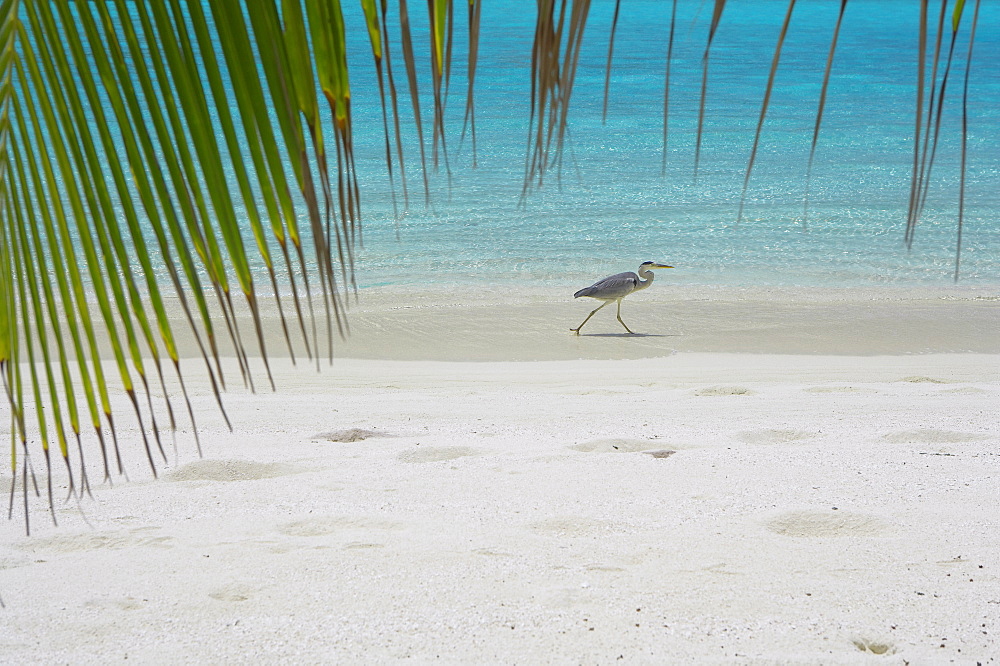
(660, 266)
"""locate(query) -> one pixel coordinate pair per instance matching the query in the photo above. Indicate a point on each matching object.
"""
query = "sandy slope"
(706, 507)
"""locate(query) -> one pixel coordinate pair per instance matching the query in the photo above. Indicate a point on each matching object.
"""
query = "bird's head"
(653, 264)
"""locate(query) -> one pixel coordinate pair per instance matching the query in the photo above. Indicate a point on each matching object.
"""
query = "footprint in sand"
(363, 545)
(833, 389)
(966, 390)
(821, 524)
(348, 436)
(143, 537)
(723, 390)
(120, 603)
(660, 453)
(773, 436)
(430, 454)
(931, 436)
(489, 552)
(921, 379)
(572, 526)
(232, 593)
(17, 561)
(873, 646)
(616, 445)
(603, 568)
(323, 525)
(230, 470)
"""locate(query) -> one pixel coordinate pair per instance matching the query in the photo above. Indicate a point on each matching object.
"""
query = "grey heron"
(616, 287)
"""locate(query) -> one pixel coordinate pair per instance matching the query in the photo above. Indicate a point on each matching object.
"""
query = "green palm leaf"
(122, 149)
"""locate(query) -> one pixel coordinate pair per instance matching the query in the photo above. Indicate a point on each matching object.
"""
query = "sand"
(760, 478)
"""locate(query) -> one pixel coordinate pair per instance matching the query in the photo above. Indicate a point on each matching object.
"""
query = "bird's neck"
(647, 276)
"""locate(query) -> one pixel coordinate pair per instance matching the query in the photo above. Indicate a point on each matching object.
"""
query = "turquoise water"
(612, 209)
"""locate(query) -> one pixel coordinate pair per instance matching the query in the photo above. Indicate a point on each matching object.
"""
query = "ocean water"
(611, 208)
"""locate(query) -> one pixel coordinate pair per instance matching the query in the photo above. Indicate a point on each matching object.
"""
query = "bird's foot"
(576, 330)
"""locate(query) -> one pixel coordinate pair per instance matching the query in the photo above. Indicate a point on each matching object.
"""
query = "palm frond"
(607, 66)
(469, 121)
(122, 148)
(553, 71)
(666, 84)
(935, 116)
(820, 107)
(763, 107)
(409, 61)
(439, 15)
(965, 137)
(922, 142)
(377, 39)
(720, 5)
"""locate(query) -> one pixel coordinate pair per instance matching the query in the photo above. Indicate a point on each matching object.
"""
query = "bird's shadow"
(627, 335)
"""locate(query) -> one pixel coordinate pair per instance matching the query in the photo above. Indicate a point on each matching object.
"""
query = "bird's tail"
(586, 291)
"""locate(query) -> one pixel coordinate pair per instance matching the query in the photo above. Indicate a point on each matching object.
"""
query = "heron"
(616, 287)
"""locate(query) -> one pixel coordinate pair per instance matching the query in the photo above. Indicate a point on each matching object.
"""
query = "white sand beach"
(772, 477)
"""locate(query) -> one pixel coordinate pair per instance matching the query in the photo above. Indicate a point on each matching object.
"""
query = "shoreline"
(533, 325)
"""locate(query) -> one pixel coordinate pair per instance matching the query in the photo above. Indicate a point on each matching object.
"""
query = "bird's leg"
(577, 329)
(620, 318)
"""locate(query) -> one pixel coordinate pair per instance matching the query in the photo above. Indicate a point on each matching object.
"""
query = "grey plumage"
(613, 286)
(616, 287)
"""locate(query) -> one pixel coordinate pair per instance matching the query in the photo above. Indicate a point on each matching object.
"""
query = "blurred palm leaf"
(554, 58)
(821, 106)
(717, 10)
(764, 105)
(965, 136)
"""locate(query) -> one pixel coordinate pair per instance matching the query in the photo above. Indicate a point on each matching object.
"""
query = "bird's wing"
(614, 286)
